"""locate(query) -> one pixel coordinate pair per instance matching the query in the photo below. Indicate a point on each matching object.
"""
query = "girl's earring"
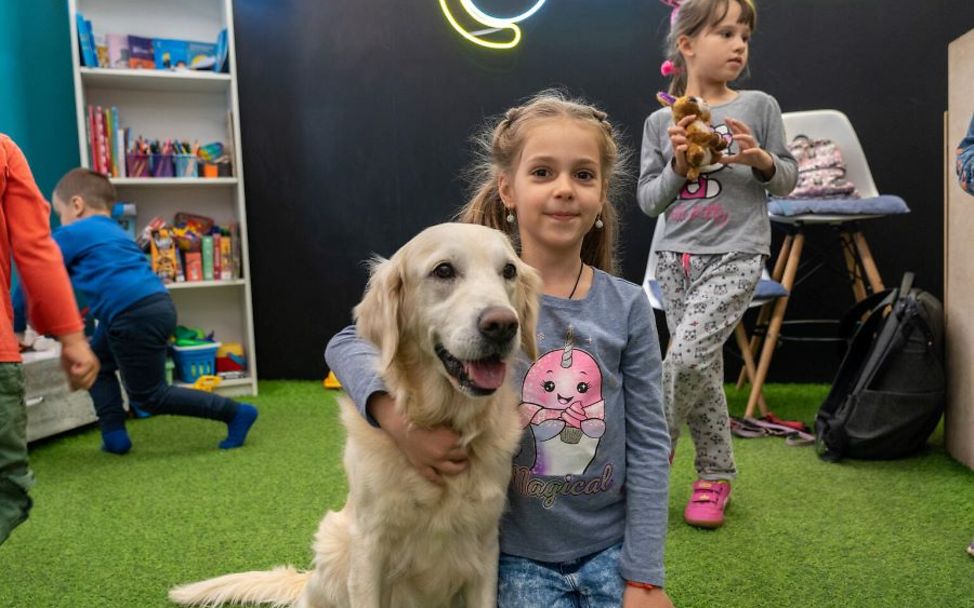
(510, 216)
(599, 223)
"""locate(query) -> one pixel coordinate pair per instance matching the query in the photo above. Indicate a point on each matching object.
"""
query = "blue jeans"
(592, 581)
(135, 343)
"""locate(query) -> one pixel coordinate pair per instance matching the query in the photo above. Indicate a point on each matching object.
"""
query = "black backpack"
(890, 390)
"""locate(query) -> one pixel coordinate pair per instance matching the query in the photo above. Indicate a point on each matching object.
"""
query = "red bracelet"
(646, 586)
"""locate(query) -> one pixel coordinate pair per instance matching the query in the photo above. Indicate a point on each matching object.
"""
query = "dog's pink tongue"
(486, 374)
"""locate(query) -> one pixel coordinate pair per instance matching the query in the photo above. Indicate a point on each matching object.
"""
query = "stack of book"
(107, 141)
(127, 51)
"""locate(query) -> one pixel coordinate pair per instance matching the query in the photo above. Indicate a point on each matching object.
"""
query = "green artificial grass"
(109, 531)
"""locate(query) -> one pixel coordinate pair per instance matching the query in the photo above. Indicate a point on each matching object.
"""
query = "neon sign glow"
(494, 24)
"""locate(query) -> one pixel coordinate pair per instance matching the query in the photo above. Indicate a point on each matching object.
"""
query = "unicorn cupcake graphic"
(562, 403)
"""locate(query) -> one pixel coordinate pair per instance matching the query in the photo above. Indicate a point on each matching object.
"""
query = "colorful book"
(222, 50)
(118, 146)
(226, 266)
(201, 55)
(194, 266)
(217, 267)
(101, 51)
(121, 137)
(118, 50)
(86, 42)
(109, 144)
(206, 249)
(170, 54)
(100, 164)
(141, 54)
(236, 264)
(90, 127)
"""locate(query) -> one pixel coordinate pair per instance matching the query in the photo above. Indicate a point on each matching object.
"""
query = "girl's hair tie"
(675, 5)
(668, 68)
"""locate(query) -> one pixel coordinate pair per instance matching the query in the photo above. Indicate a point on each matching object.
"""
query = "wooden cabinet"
(959, 258)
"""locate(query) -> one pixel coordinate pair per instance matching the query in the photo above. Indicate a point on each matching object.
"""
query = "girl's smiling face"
(557, 186)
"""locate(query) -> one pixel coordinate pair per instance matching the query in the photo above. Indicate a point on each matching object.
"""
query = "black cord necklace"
(581, 267)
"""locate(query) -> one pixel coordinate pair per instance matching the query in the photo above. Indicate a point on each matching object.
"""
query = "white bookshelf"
(187, 105)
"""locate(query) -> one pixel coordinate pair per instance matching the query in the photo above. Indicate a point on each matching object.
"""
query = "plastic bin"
(162, 165)
(185, 165)
(195, 361)
(136, 165)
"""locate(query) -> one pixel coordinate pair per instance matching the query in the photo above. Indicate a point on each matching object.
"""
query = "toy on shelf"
(230, 358)
(203, 251)
(207, 383)
(192, 362)
(191, 336)
(164, 258)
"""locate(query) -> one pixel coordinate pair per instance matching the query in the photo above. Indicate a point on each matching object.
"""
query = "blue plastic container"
(195, 361)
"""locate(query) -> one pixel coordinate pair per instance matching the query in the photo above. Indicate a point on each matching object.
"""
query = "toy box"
(195, 361)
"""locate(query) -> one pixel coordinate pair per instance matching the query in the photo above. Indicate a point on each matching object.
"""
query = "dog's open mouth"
(480, 377)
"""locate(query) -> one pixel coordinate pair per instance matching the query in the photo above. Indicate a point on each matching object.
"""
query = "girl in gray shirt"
(586, 522)
(716, 233)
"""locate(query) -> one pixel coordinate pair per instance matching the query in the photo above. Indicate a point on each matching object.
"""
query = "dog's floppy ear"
(527, 299)
(377, 316)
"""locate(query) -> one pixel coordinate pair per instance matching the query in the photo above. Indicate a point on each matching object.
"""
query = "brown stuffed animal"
(703, 143)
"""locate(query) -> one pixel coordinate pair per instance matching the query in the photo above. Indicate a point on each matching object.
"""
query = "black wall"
(356, 116)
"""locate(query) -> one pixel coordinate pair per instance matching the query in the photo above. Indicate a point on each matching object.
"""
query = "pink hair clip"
(675, 5)
(668, 68)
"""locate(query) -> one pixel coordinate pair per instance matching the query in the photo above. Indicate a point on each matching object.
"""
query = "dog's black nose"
(498, 324)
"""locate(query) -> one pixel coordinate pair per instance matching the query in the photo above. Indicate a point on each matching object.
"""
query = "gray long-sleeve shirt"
(726, 209)
(583, 486)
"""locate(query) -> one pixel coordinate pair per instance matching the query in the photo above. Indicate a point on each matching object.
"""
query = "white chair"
(834, 125)
(767, 291)
(843, 213)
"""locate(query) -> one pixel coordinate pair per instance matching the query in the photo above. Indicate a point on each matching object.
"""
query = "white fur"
(401, 541)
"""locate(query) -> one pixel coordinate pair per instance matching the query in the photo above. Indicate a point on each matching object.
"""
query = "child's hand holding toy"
(750, 153)
(695, 142)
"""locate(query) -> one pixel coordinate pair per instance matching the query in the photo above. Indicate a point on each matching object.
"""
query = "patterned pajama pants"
(705, 297)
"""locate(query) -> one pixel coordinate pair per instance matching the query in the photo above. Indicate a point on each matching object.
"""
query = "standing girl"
(588, 497)
(717, 234)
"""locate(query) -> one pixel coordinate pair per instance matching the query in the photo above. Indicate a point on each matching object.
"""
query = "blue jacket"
(105, 265)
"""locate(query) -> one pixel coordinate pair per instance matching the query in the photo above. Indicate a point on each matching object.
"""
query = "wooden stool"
(859, 262)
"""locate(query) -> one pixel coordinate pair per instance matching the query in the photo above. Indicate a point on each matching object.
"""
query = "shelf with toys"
(158, 112)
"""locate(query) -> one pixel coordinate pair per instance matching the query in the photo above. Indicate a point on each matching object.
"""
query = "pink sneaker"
(707, 504)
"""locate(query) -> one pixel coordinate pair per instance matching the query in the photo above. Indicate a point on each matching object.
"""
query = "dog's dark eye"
(509, 272)
(582, 387)
(549, 386)
(444, 271)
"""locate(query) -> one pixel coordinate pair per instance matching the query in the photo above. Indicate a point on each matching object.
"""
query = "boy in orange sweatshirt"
(26, 234)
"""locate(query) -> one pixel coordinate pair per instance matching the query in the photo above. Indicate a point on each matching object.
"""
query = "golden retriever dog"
(448, 312)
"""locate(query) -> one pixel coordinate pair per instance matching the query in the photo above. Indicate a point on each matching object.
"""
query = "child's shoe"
(970, 548)
(707, 504)
(238, 428)
(116, 441)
